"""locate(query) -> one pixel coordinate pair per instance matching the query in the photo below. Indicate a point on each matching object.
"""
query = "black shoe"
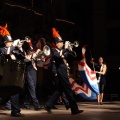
(98, 103)
(26, 107)
(54, 107)
(77, 112)
(38, 108)
(67, 107)
(61, 103)
(17, 115)
(48, 109)
(101, 103)
(5, 108)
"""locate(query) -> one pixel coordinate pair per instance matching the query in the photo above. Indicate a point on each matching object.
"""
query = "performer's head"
(57, 39)
(7, 40)
(27, 46)
(59, 44)
(100, 60)
(6, 37)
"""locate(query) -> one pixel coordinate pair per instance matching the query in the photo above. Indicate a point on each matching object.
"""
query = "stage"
(92, 111)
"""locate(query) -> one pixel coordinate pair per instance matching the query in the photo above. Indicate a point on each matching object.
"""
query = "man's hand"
(19, 45)
(67, 44)
(56, 74)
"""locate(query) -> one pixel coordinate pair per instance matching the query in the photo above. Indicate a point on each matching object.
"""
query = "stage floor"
(92, 111)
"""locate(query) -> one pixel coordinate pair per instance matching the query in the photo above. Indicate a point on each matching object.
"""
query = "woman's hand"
(103, 71)
(97, 72)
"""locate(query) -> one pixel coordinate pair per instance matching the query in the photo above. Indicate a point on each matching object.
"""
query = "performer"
(60, 54)
(31, 78)
(101, 69)
(11, 53)
(63, 97)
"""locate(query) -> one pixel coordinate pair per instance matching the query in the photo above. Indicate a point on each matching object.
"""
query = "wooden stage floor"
(92, 111)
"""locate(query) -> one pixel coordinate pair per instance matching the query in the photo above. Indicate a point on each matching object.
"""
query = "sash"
(101, 68)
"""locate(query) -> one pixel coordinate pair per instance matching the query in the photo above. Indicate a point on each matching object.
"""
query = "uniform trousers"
(63, 85)
(31, 79)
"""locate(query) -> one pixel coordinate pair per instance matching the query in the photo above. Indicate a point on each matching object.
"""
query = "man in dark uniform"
(55, 82)
(9, 51)
(59, 55)
(31, 78)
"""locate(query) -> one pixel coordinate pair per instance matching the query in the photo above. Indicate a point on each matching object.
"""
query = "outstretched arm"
(103, 71)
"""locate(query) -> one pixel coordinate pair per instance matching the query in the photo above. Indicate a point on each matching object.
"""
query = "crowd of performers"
(19, 50)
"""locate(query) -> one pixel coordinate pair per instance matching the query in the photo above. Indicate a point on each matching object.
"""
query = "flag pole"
(91, 59)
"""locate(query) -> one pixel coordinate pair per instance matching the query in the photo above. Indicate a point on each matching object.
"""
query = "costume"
(59, 55)
(55, 81)
(30, 79)
(101, 78)
(12, 53)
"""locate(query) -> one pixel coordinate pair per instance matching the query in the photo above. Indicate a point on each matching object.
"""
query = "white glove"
(15, 42)
(56, 74)
(36, 54)
(38, 51)
(18, 43)
(27, 58)
(67, 44)
(12, 57)
(34, 65)
(70, 48)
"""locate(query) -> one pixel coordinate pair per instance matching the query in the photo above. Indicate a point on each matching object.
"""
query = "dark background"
(95, 23)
